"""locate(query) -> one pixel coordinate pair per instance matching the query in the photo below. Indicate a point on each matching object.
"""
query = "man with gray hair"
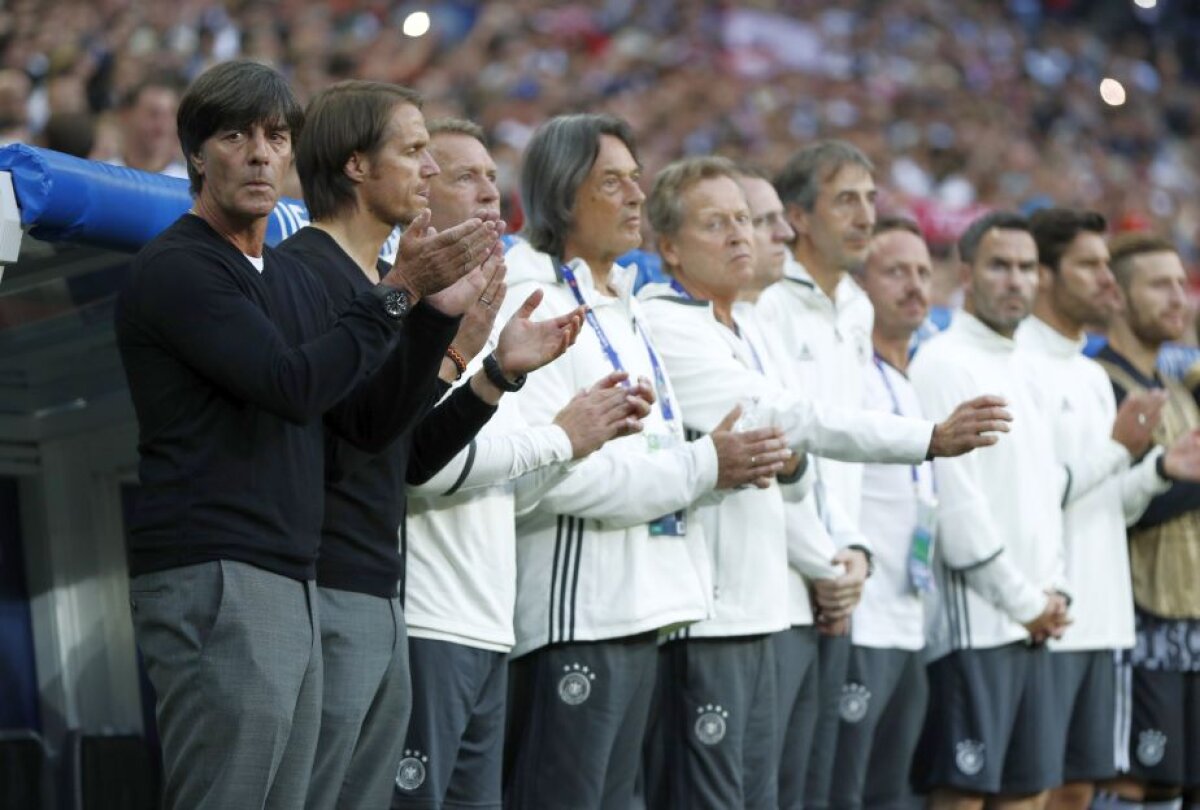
(610, 556)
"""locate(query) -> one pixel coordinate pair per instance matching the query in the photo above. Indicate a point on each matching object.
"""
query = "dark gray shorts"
(716, 725)
(882, 710)
(796, 676)
(454, 748)
(1085, 686)
(1159, 724)
(991, 723)
(577, 716)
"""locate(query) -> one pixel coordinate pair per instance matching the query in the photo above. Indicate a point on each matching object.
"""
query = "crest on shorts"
(968, 756)
(711, 725)
(575, 686)
(853, 703)
(1152, 745)
(411, 773)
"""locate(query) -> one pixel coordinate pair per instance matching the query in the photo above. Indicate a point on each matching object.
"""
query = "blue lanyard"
(660, 379)
(678, 288)
(879, 361)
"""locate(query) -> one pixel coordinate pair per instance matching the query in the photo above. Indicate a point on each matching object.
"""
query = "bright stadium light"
(1112, 92)
(1145, 3)
(416, 24)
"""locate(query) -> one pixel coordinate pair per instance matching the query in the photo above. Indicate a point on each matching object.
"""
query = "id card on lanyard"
(924, 532)
(675, 524)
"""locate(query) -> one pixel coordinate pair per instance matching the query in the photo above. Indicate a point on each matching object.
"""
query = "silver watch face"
(395, 303)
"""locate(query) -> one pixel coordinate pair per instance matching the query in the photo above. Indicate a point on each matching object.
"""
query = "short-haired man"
(883, 700)
(1159, 684)
(461, 542)
(772, 233)
(365, 169)
(609, 558)
(822, 321)
(1001, 589)
(1076, 290)
(234, 361)
(726, 756)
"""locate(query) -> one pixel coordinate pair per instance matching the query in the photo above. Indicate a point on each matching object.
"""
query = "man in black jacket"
(234, 356)
(365, 168)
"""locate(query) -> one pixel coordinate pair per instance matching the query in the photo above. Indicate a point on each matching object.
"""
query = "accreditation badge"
(920, 552)
(674, 524)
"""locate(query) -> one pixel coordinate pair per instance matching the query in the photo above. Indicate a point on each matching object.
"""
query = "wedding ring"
(753, 460)
(487, 302)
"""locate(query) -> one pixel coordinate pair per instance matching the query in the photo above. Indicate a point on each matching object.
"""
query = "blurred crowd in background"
(961, 103)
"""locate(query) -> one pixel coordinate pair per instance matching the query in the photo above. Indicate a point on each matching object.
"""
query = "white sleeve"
(1140, 484)
(965, 542)
(1085, 474)
(843, 531)
(710, 381)
(623, 488)
(623, 483)
(1003, 585)
(809, 546)
(496, 459)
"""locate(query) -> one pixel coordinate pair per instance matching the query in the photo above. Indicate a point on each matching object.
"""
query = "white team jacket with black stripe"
(587, 565)
(827, 343)
(1000, 534)
(461, 573)
(1081, 409)
(714, 369)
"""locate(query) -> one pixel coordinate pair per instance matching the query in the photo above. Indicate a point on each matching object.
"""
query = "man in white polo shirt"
(882, 702)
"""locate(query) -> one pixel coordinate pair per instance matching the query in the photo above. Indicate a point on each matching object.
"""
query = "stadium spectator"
(147, 117)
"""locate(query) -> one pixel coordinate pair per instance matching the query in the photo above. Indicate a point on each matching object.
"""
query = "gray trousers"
(577, 718)
(833, 661)
(796, 653)
(717, 725)
(454, 749)
(366, 704)
(882, 710)
(235, 660)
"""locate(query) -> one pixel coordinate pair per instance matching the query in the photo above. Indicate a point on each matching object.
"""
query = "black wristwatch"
(491, 368)
(396, 302)
(868, 554)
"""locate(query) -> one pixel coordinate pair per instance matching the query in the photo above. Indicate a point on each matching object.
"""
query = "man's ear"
(668, 252)
(357, 167)
(797, 217)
